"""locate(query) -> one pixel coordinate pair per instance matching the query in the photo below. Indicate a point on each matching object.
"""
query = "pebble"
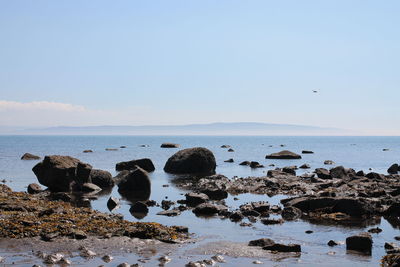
(257, 262)
(218, 258)
(164, 259)
(309, 232)
(53, 258)
(107, 258)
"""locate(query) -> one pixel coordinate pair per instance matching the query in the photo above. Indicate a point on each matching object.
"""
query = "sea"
(360, 153)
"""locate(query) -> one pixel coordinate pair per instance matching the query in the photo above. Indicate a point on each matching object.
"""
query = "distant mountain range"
(235, 128)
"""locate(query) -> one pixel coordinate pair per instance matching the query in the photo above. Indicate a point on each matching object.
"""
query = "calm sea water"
(359, 153)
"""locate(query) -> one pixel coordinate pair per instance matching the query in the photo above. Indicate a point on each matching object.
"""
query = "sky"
(96, 62)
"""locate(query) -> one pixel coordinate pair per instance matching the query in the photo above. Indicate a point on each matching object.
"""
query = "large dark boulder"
(29, 156)
(338, 172)
(59, 173)
(285, 154)
(146, 164)
(323, 173)
(361, 242)
(263, 242)
(393, 169)
(283, 248)
(135, 185)
(196, 160)
(102, 179)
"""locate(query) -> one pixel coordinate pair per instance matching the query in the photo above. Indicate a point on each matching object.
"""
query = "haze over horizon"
(91, 63)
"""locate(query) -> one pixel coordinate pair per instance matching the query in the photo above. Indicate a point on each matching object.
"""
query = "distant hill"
(235, 128)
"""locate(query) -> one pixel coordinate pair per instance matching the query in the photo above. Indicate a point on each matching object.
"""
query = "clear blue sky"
(177, 62)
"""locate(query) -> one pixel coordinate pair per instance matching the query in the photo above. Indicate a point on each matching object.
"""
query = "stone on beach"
(196, 160)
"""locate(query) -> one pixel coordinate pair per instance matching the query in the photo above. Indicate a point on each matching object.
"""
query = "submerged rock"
(307, 152)
(146, 164)
(285, 154)
(229, 161)
(29, 156)
(169, 145)
(208, 209)
(193, 199)
(283, 248)
(196, 160)
(263, 242)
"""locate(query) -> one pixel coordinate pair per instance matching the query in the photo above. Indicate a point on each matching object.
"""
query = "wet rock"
(289, 170)
(361, 242)
(257, 262)
(191, 161)
(390, 246)
(375, 230)
(139, 207)
(285, 154)
(397, 238)
(78, 234)
(87, 151)
(208, 209)
(169, 145)
(48, 237)
(332, 243)
(309, 232)
(215, 194)
(135, 185)
(236, 217)
(329, 162)
(291, 213)
(231, 150)
(229, 161)
(305, 166)
(245, 163)
(145, 163)
(28, 156)
(338, 172)
(392, 260)
(374, 175)
(164, 259)
(193, 199)
(111, 149)
(112, 203)
(195, 264)
(263, 242)
(58, 173)
(393, 169)
(107, 258)
(283, 248)
(360, 173)
(393, 210)
(90, 188)
(261, 206)
(277, 173)
(271, 221)
(323, 173)
(218, 258)
(169, 213)
(255, 164)
(102, 179)
(307, 152)
(166, 204)
(34, 189)
(225, 146)
(53, 258)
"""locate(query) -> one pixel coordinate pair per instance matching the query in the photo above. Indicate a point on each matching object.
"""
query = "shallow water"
(360, 153)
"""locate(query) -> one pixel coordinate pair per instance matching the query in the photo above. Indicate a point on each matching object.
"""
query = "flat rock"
(284, 154)
(283, 248)
(145, 163)
(29, 156)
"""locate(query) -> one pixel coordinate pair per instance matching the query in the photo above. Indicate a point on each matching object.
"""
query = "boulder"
(305, 166)
(338, 172)
(393, 169)
(193, 199)
(289, 170)
(208, 209)
(34, 188)
(374, 175)
(291, 213)
(361, 242)
(285, 154)
(146, 164)
(215, 194)
(135, 185)
(169, 145)
(59, 173)
(112, 203)
(28, 156)
(263, 242)
(255, 164)
(283, 248)
(102, 179)
(323, 173)
(245, 163)
(196, 160)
